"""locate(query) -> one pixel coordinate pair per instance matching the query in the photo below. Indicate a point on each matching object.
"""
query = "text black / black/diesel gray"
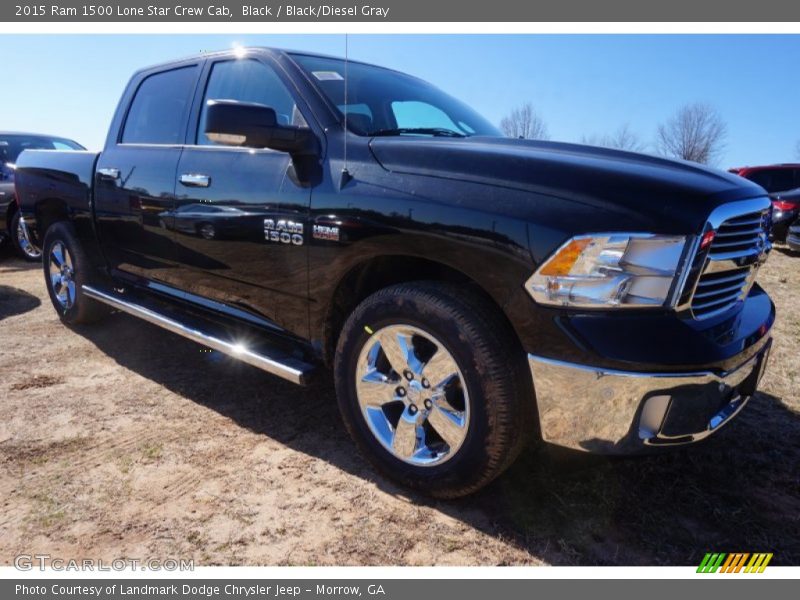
(470, 292)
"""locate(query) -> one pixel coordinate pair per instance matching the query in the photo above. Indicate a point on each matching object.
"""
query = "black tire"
(22, 247)
(82, 309)
(491, 364)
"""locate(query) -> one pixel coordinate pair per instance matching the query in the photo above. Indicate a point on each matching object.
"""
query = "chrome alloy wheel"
(25, 243)
(62, 275)
(412, 395)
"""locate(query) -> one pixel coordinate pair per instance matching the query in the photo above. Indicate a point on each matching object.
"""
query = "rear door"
(240, 220)
(135, 178)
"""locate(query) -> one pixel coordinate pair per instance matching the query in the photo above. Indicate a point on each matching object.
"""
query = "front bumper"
(620, 412)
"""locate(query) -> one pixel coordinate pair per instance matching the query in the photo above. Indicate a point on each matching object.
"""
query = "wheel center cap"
(415, 392)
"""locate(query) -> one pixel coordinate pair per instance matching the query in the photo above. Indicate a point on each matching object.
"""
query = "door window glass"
(159, 109)
(247, 80)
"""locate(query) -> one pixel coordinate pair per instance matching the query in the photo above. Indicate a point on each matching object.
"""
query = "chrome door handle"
(109, 173)
(195, 180)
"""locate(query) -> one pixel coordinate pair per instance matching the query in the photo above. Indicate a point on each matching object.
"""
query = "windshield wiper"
(434, 131)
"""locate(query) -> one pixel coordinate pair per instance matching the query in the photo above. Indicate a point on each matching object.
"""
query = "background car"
(785, 212)
(773, 178)
(12, 228)
(782, 182)
(793, 238)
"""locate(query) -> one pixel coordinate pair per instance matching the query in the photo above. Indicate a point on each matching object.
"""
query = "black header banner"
(256, 11)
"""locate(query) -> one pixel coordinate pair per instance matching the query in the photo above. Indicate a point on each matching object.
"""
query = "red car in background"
(782, 183)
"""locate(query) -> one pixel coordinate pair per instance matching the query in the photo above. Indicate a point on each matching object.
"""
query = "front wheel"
(21, 239)
(432, 387)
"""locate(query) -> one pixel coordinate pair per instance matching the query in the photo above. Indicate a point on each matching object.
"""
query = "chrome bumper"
(620, 412)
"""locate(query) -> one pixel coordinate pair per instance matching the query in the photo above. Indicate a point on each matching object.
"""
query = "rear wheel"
(433, 388)
(21, 239)
(66, 270)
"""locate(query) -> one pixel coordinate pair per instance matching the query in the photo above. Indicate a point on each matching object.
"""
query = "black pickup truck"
(471, 293)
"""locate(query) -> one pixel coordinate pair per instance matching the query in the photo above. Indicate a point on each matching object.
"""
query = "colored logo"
(735, 562)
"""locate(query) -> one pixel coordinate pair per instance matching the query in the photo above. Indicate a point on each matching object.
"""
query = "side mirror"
(235, 123)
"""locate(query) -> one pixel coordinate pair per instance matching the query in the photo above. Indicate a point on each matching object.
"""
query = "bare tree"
(695, 132)
(623, 139)
(524, 122)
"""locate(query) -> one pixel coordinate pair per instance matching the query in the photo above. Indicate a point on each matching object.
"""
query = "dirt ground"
(127, 441)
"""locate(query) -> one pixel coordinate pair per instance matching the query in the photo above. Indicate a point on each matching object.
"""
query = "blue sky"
(581, 84)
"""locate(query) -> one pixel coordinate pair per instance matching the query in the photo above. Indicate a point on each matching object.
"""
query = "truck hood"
(615, 180)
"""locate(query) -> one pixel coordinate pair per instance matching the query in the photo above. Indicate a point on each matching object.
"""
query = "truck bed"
(54, 181)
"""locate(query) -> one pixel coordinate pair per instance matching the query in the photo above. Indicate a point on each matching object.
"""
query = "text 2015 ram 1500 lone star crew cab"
(470, 292)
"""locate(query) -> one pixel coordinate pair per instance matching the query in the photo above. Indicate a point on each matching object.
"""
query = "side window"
(248, 80)
(159, 108)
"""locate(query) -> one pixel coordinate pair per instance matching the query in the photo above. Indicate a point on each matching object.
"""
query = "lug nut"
(428, 403)
(400, 391)
(408, 374)
(426, 383)
(412, 409)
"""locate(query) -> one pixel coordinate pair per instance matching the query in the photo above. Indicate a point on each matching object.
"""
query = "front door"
(240, 220)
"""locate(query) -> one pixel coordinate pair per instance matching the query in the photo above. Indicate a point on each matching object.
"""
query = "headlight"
(609, 270)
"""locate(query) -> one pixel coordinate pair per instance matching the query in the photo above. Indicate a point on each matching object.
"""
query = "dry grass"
(125, 440)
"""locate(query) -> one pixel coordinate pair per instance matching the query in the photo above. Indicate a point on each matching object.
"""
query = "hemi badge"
(326, 232)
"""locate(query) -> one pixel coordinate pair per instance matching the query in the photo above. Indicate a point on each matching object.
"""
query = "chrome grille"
(716, 292)
(740, 236)
(730, 264)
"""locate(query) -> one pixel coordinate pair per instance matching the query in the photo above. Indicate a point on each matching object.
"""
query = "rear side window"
(160, 107)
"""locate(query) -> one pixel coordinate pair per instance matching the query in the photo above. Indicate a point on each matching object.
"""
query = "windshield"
(385, 102)
(11, 146)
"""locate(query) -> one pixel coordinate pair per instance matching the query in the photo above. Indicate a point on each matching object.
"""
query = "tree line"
(694, 132)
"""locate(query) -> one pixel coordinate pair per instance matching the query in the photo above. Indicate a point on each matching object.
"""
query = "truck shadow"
(14, 301)
(736, 492)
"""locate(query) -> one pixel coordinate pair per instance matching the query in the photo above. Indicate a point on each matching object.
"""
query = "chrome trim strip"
(260, 361)
(684, 269)
(728, 211)
(611, 412)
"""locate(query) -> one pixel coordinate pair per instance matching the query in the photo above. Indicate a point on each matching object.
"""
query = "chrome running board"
(286, 367)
